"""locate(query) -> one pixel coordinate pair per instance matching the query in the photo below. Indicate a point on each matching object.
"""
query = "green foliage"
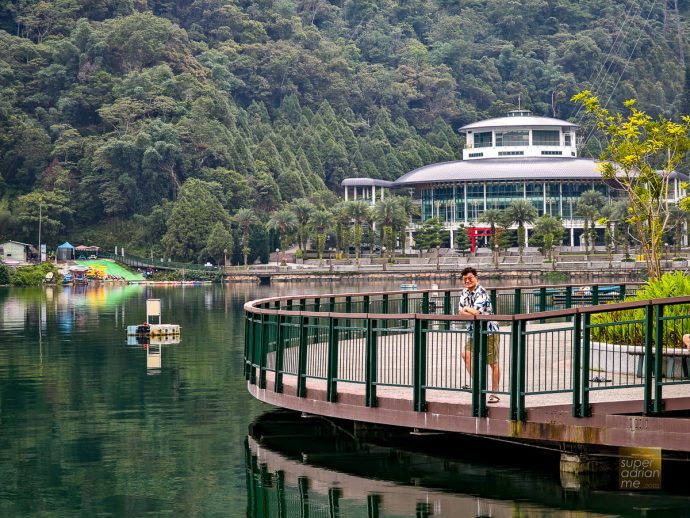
(463, 244)
(430, 235)
(616, 329)
(32, 275)
(110, 111)
(641, 157)
(5, 275)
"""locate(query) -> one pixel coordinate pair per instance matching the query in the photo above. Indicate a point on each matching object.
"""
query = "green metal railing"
(551, 340)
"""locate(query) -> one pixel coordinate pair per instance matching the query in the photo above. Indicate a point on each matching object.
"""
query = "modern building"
(517, 157)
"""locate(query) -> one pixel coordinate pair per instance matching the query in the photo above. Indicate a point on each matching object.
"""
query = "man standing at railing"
(474, 300)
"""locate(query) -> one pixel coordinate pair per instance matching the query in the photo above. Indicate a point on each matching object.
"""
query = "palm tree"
(303, 210)
(520, 212)
(342, 228)
(493, 217)
(411, 209)
(549, 230)
(245, 220)
(321, 221)
(359, 212)
(284, 223)
(389, 214)
(588, 209)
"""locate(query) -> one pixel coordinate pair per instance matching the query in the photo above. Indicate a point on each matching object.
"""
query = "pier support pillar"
(580, 470)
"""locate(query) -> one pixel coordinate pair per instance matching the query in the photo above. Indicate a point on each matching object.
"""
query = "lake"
(91, 425)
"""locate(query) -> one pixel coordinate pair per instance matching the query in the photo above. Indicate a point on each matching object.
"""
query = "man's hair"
(467, 270)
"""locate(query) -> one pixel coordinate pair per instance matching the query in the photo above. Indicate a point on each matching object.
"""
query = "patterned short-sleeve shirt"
(478, 299)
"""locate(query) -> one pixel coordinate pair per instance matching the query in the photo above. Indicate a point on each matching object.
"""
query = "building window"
(512, 138)
(511, 153)
(483, 139)
(546, 138)
(475, 155)
(552, 152)
(566, 139)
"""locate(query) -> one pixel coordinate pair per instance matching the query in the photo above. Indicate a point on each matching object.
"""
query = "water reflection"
(154, 350)
(309, 467)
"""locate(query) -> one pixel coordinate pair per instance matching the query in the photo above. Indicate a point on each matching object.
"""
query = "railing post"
(365, 304)
(517, 302)
(248, 329)
(332, 373)
(648, 365)
(595, 295)
(405, 303)
(425, 302)
(370, 365)
(517, 372)
(621, 292)
(585, 409)
(542, 301)
(302, 357)
(478, 377)
(263, 346)
(255, 338)
(419, 366)
(447, 310)
(493, 296)
(280, 354)
(577, 365)
(659, 358)
(348, 322)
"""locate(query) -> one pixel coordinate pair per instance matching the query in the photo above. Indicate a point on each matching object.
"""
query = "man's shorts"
(491, 351)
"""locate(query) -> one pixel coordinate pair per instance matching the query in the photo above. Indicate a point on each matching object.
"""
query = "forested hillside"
(145, 124)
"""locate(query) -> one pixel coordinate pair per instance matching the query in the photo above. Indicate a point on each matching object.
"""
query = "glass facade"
(546, 138)
(483, 139)
(512, 138)
(554, 197)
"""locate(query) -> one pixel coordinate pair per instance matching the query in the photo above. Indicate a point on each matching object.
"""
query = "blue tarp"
(66, 245)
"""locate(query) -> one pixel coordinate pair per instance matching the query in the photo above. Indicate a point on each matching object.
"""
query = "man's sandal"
(493, 399)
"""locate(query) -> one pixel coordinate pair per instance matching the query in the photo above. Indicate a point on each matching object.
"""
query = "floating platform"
(154, 330)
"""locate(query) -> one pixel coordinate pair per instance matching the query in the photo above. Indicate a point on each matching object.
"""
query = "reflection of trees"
(97, 434)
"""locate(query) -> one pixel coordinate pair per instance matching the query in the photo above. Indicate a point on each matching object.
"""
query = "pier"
(394, 359)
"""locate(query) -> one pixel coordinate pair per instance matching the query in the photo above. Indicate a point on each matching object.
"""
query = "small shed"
(65, 252)
(14, 252)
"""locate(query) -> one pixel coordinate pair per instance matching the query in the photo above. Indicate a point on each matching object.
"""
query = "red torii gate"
(475, 232)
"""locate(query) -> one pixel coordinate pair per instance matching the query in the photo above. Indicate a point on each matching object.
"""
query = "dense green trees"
(108, 109)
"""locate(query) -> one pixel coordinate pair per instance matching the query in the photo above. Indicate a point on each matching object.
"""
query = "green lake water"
(93, 426)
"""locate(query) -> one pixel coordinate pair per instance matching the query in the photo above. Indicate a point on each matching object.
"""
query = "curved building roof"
(511, 122)
(503, 169)
(365, 182)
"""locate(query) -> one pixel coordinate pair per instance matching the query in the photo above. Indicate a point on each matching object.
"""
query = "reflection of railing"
(545, 345)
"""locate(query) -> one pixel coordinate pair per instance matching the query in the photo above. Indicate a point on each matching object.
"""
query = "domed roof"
(503, 169)
(518, 121)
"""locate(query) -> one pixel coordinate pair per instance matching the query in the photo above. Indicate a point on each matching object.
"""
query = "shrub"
(32, 275)
(4, 275)
(628, 326)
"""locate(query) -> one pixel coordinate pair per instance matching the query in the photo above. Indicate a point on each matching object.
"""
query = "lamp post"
(225, 259)
(438, 257)
(330, 259)
(385, 257)
(277, 259)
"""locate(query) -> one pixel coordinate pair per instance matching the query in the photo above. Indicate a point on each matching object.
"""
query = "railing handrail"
(253, 304)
